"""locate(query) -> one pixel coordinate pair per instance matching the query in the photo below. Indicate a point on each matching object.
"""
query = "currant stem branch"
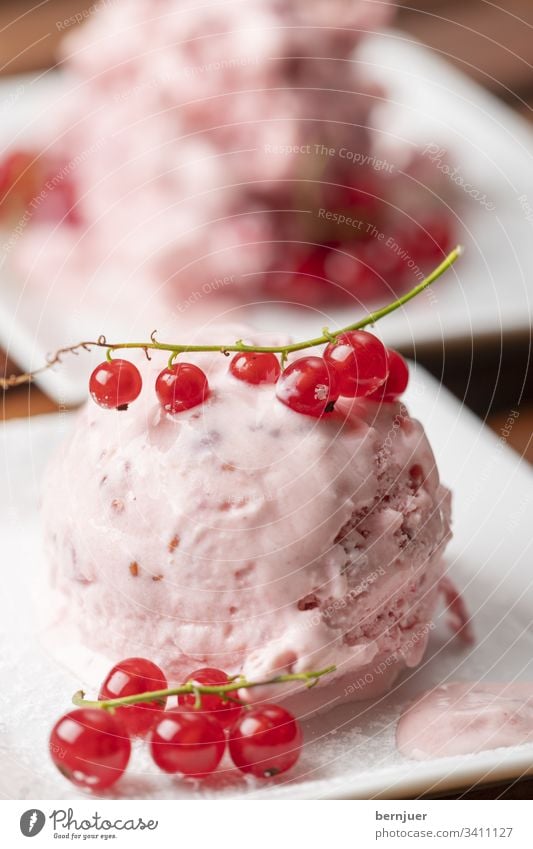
(239, 346)
(192, 688)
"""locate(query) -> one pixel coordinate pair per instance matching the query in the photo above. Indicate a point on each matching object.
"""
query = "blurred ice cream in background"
(226, 147)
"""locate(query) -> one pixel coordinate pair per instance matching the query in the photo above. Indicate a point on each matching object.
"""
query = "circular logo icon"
(32, 822)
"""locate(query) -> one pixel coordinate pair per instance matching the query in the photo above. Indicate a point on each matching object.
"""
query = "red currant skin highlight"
(397, 380)
(360, 361)
(181, 387)
(265, 741)
(114, 384)
(308, 386)
(255, 367)
(190, 742)
(227, 712)
(90, 748)
(131, 677)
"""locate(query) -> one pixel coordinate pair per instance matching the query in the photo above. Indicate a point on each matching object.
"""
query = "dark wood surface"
(491, 42)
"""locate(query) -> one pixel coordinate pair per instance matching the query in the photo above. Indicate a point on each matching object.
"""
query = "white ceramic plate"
(488, 293)
(431, 103)
(349, 752)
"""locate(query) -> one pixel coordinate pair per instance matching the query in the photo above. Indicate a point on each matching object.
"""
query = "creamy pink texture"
(186, 124)
(244, 535)
(205, 141)
(465, 717)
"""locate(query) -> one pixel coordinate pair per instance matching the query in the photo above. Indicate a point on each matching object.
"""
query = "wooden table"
(494, 46)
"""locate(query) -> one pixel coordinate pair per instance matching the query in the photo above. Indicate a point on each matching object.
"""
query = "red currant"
(312, 264)
(225, 711)
(266, 740)
(181, 387)
(436, 238)
(308, 386)
(190, 742)
(309, 284)
(114, 384)
(397, 380)
(133, 676)
(360, 362)
(255, 368)
(90, 747)
(19, 177)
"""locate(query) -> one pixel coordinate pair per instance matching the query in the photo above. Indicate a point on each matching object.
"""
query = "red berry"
(189, 742)
(439, 238)
(308, 386)
(130, 677)
(115, 384)
(19, 177)
(312, 264)
(181, 387)
(255, 368)
(397, 380)
(429, 242)
(360, 362)
(266, 740)
(226, 712)
(90, 747)
(309, 284)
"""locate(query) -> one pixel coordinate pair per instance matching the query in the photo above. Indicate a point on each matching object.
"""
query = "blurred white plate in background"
(489, 292)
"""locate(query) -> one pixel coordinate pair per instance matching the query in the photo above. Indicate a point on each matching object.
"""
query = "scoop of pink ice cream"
(243, 535)
(202, 141)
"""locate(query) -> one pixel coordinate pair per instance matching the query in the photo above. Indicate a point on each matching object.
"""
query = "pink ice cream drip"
(462, 718)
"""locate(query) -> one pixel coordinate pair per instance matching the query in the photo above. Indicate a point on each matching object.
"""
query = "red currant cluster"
(17, 177)
(354, 364)
(91, 746)
(335, 271)
(28, 180)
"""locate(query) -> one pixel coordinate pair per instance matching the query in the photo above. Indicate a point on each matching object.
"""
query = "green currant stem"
(239, 346)
(326, 337)
(191, 688)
